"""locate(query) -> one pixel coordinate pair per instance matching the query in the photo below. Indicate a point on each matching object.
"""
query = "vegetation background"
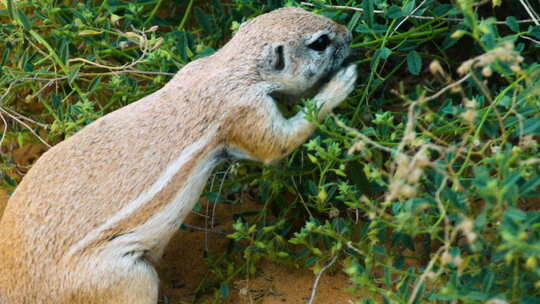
(422, 188)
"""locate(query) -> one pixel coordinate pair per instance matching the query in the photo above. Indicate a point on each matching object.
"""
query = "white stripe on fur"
(147, 195)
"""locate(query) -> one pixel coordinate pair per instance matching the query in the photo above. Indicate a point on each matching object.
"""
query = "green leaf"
(394, 12)
(224, 289)
(476, 296)
(5, 56)
(530, 186)
(531, 126)
(63, 52)
(414, 63)
(10, 9)
(515, 214)
(94, 84)
(535, 31)
(24, 20)
(512, 23)
(488, 282)
(354, 21)
(10, 181)
(204, 21)
(384, 53)
(368, 12)
(409, 7)
(73, 73)
(387, 277)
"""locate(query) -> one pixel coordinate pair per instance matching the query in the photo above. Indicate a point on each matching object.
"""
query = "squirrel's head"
(293, 49)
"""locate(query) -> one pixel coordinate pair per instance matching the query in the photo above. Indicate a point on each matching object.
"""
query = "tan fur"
(96, 211)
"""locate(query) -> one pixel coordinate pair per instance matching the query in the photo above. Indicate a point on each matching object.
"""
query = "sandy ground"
(183, 268)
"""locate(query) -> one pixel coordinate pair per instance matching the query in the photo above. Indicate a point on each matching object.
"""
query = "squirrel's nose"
(348, 37)
(346, 34)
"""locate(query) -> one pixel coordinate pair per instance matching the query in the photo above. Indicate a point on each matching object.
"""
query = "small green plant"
(423, 187)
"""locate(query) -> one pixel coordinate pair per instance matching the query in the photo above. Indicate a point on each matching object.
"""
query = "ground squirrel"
(93, 215)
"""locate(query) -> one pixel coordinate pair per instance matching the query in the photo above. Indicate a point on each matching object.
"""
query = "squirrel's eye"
(320, 44)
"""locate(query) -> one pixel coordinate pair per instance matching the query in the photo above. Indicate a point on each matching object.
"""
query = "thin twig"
(109, 67)
(212, 224)
(143, 44)
(343, 7)
(357, 133)
(427, 270)
(5, 131)
(407, 17)
(207, 217)
(317, 279)
(531, 12)
(206, 230)
(19, 115)
(54, 79)
(448, 87)
(530, 39)
(26, 126)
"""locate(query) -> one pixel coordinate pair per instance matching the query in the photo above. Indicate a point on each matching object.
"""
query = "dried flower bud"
(471, 237)
(446, 258)
(415, 176)
(123, 44)
(407, 191)
(470, 103)
(422, 160)
(430, 275)
(435, 67)
(357, 146)
(528, 142)
(469, 115)
(509, 45)
(465, 67)
(132, 35)
(402, 160)
(457, 261)
(466, 225)
(515, 68)
(487, 72)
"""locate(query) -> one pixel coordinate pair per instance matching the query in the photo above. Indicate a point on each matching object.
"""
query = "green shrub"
(423, 187)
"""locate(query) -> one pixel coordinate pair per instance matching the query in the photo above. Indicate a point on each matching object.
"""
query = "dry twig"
(343, 7)
(318, 278)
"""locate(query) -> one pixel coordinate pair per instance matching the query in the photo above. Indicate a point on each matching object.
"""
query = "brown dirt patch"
(183, 268)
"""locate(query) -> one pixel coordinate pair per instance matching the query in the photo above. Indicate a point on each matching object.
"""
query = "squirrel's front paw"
(337, 89)
(347, 77)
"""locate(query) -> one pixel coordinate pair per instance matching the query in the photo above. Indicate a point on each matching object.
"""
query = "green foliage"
(424, 184)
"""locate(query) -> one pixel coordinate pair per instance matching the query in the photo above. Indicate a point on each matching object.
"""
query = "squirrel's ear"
(275, 57)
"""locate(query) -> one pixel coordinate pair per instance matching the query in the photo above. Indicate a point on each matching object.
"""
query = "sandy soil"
(183, 268)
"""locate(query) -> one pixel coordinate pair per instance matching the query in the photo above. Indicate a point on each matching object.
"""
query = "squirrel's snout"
(348, 37)
(345, 34)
